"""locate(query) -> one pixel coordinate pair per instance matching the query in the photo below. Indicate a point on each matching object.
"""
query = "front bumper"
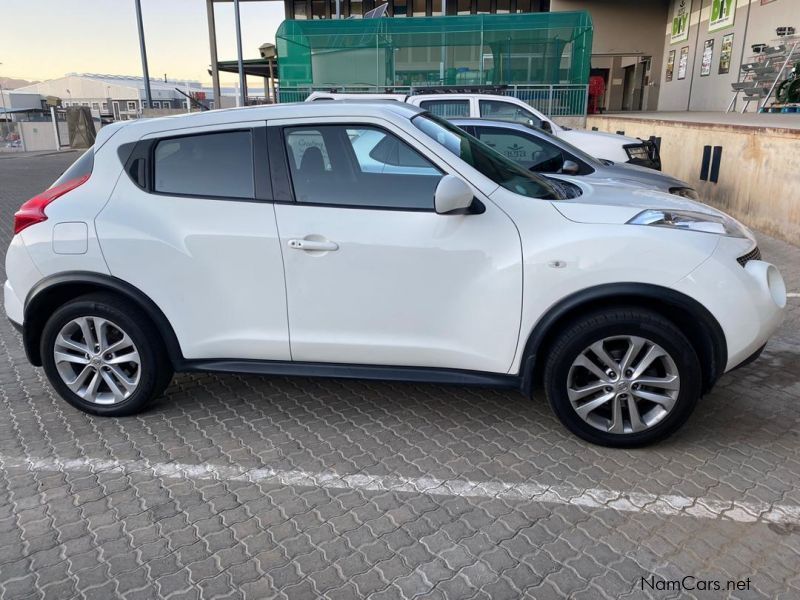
(748, 301)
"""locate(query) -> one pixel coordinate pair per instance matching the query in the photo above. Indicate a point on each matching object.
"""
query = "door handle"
(313, 245)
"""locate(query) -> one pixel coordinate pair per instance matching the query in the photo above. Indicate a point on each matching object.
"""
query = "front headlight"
(685, 192)
(690, 221)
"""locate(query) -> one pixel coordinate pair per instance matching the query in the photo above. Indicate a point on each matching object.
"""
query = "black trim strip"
(348, 371)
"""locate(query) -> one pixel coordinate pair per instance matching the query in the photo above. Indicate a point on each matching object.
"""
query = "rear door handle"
(313, 245)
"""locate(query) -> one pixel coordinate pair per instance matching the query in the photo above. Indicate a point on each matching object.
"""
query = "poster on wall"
(683, 62)
(682, 9)
(722, 14)
(670, 64)
(725, 52)
(708, 56)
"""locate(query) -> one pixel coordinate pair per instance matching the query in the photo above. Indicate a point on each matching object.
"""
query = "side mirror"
(570, 167)
(452, 195)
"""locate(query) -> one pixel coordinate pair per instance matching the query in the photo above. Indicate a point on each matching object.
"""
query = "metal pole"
(55, 128)
(212, 42)
(338, 11)
(242, 81)
(145, 72)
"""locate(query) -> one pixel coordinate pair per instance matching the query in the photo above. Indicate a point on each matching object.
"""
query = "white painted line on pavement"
(793, 295)
(641, 502)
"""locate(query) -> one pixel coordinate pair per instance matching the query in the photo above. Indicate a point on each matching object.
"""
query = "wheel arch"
(54, 291)
(692, 318)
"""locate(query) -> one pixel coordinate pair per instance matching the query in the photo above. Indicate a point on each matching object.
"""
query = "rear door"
(373, 274)
(192, 225)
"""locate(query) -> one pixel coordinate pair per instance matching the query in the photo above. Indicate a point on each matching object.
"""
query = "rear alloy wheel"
(97, 360)
(622, 377)
(104, 356)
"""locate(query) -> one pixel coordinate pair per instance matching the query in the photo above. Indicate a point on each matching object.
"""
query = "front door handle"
(313, 245)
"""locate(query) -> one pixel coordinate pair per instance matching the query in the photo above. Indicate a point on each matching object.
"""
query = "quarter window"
(358, 167)
(447, 109)
(206, 165)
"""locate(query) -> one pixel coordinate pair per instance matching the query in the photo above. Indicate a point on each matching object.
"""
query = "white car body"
(599, 144)
(447, 297)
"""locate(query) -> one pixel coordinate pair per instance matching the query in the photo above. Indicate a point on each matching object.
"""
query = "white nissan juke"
(265, 240)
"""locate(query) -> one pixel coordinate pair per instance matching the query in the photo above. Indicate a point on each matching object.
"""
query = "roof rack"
(459, 89)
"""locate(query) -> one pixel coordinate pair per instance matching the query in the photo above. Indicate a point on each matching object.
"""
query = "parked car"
(264, 240)
(608, 146)
(541, 152)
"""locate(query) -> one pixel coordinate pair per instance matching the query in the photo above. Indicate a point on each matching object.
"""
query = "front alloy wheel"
(623, 384)
(622, 377)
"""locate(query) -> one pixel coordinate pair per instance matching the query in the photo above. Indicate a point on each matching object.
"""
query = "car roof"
(386, 109)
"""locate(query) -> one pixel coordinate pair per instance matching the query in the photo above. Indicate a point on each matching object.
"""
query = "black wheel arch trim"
(716, 349)
(39, 294)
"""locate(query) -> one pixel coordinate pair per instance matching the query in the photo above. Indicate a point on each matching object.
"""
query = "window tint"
(213, 164)
(506, 111)
(526, 150)
(358, 166)
(448, 109)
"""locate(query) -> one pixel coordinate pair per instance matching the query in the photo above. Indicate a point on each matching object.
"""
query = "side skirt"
(343, 371)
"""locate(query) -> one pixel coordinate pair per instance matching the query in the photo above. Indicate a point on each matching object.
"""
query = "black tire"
(608, 323)
(155, 366)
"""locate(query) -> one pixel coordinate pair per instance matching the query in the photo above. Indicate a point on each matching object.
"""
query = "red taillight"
(32, 211)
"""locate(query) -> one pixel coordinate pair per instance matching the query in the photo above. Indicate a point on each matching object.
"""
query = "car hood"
(617, 202)
(641, 175)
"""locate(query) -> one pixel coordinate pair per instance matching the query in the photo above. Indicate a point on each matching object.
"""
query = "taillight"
(32, 211)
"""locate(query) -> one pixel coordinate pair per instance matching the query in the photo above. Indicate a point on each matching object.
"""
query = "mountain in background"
(10, 83)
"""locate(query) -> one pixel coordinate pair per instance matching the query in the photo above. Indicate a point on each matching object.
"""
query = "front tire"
(104, 356)
(622, 377)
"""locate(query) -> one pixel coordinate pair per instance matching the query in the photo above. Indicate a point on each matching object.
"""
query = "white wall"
(713, 93)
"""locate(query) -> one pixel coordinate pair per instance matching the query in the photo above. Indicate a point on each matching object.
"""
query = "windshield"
(490, 163)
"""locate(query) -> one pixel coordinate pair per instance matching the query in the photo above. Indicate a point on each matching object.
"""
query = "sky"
(44, 39)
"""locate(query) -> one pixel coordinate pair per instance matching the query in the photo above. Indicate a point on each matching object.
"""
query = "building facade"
(326, 9)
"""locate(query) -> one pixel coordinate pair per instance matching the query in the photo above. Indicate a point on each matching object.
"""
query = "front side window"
(532, 153)
(447, 109)
(484, 159)
(212, 164)
(358, 166)
(498, 110)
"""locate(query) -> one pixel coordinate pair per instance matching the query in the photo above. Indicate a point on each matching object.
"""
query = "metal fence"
(558, 100)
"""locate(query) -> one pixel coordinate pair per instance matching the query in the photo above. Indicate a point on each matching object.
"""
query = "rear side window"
(80, 168)
(210, 164)
(447, 109)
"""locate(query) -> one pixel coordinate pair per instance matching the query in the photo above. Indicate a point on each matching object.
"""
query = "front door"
(373, 274)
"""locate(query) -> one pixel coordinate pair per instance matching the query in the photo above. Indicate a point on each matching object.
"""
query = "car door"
(191, 224)
(373, 274)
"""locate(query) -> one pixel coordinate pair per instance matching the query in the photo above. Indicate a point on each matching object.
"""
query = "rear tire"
(623, 377)
(104, 356)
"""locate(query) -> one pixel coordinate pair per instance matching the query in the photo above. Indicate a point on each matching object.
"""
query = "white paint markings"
(793, 295)
(640, 502)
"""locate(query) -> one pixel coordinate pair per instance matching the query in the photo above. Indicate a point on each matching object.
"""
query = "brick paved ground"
(244, 486)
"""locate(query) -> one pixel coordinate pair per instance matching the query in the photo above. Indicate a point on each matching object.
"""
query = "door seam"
(285, 285)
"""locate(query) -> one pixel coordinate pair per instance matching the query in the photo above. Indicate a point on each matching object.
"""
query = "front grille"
(754, 254)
